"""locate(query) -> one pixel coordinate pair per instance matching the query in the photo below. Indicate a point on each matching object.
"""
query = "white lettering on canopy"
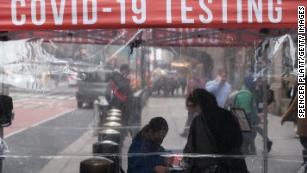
(184, 10)
(225, 15)
(141, 11)
(42, 12)
(277, 9)
(204, 12)
(239, 11)
(86, 19)
(257, 7)
(74, 16)
(22, 20)
(58, 15)
(203, 6)
(168, 11)
(122, 11)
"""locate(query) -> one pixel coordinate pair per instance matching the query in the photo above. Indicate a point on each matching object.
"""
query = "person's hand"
(221, 80)
(169, 160)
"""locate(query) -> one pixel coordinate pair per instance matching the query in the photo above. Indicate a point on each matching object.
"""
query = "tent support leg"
(265, 128)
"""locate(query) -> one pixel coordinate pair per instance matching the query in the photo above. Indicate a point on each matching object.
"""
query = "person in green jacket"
(245, 99)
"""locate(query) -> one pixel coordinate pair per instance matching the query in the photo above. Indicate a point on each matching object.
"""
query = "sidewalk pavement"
(69, 159)
(285, 156)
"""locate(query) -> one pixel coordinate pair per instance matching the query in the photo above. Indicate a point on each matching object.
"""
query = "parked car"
(91, 85)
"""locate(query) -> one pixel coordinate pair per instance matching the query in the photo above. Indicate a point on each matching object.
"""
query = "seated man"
(144, 152)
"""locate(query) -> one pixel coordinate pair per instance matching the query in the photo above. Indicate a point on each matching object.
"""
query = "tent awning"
(98, 14)
(154, 37)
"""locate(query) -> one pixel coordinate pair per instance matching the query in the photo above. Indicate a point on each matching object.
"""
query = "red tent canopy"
(97, 14)
(72, 20)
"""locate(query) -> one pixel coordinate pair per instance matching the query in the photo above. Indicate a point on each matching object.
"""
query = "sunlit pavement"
(33, 110)
(284, 157)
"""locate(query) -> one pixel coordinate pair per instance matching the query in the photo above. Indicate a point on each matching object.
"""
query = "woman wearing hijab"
(144, 151)
(192, 113)
(213, 131)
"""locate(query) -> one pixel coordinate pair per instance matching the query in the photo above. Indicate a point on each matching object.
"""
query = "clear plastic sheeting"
(269, 49)
(64, 93)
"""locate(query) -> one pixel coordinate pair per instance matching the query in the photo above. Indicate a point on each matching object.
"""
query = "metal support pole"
(265, 127)
(96, 118)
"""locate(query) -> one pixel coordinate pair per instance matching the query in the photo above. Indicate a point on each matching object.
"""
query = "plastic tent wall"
(49, 133)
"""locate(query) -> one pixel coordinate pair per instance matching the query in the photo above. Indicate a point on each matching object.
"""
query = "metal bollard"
(113, 110)
(117, 114)
(97, 165)
(111, 151)
(103, 107)
(109, 134)
(113, 118)
(105, 147)
(96, 117)
(112, 125)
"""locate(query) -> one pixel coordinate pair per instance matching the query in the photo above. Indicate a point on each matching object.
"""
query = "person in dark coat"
(191, 115)
(122, 92)
(214, 131)
(145, 150)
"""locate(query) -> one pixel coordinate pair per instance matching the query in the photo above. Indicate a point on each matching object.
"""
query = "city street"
(50, 135)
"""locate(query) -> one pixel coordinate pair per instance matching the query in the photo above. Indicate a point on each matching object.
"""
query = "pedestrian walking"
(219, 87)
(122, 93)
(183, 84)
(246, 100)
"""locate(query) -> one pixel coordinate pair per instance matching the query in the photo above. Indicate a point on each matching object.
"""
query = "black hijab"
(154, 125)
(223, 125)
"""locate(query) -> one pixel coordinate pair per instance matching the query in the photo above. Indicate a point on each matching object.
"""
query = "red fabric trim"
(121, 96)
